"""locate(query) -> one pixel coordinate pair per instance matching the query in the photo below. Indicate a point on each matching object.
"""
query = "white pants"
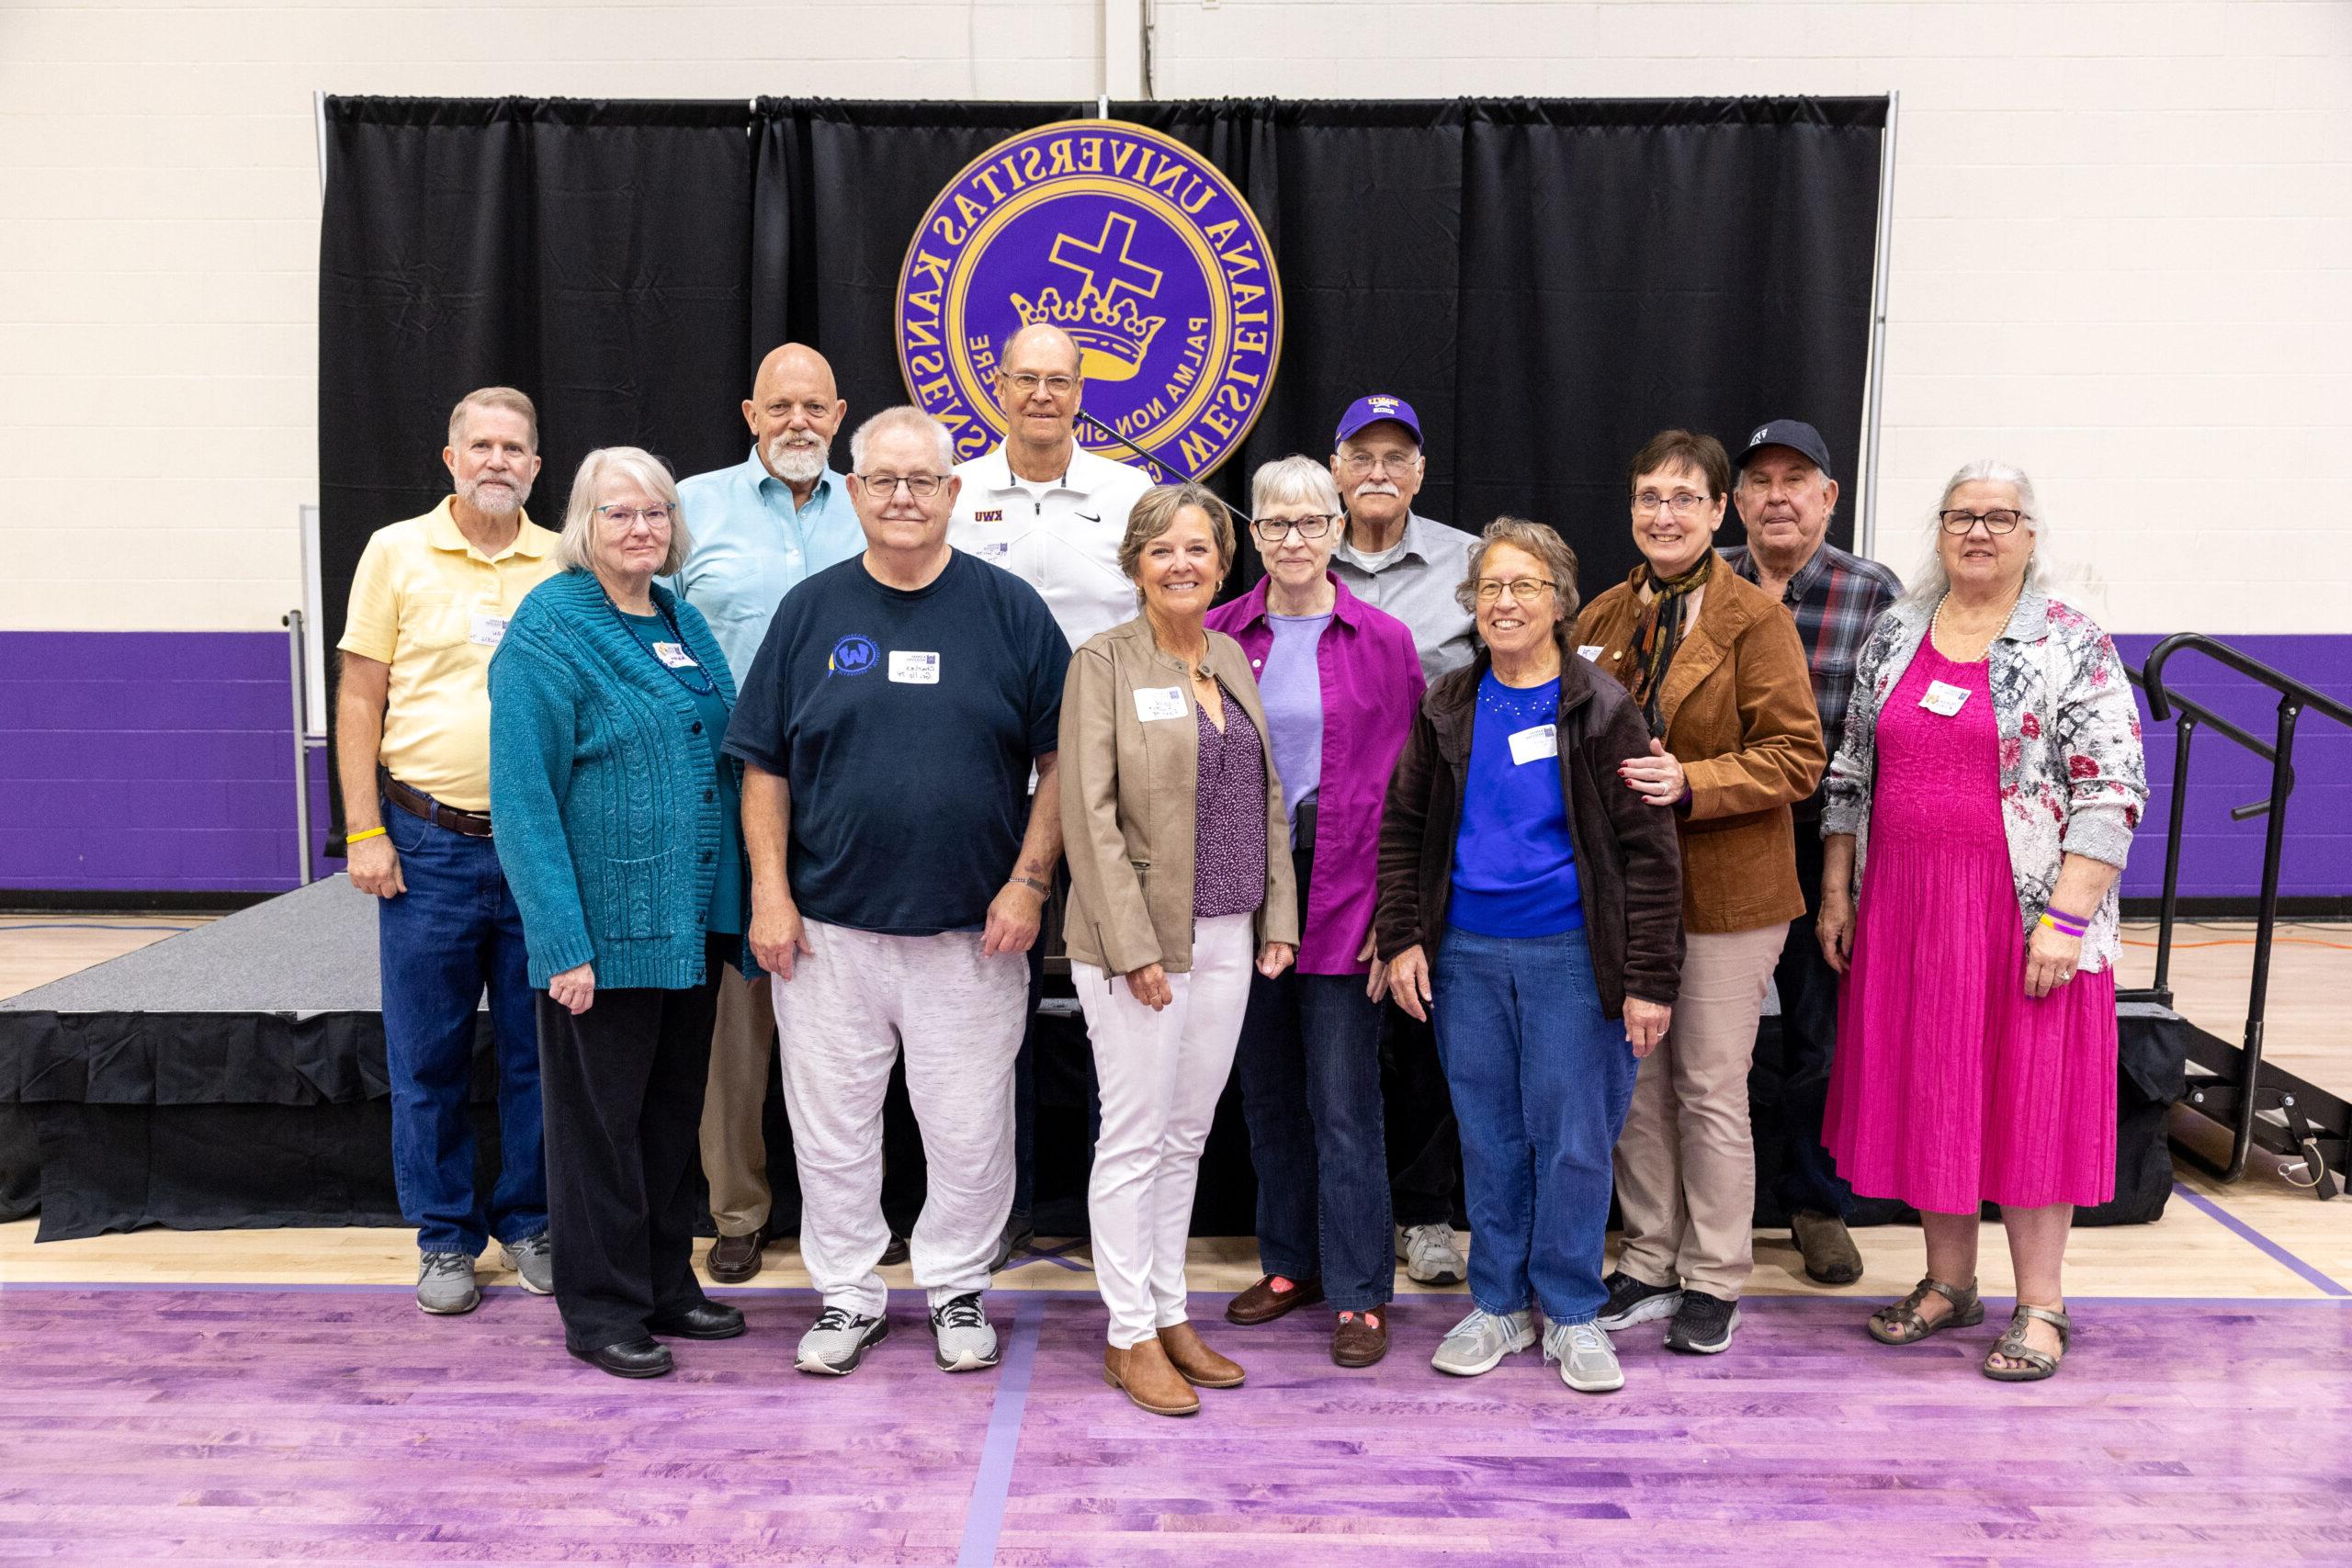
(1160, 1073)
(850, 1008)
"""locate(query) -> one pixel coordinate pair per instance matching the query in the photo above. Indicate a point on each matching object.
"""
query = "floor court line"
(984, 1517)
(2261, 1243)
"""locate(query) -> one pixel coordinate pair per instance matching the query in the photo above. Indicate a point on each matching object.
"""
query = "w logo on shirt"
(851, 656)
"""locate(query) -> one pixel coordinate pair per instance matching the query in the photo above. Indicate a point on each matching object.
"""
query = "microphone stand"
(1246, 521)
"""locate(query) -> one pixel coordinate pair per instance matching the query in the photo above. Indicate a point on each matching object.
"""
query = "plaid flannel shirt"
(1837, 597)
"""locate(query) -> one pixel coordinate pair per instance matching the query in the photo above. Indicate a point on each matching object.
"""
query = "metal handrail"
(2294, 696)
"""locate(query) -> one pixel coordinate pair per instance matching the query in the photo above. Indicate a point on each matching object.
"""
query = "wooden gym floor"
(241, 1396)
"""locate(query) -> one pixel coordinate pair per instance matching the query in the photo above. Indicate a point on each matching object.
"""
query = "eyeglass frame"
(1325, 523)
(1675, 503)
(1012, 378)
(2017, 515)
(669, 514)
(886, 485)
(1523, 589)
(1372, 462)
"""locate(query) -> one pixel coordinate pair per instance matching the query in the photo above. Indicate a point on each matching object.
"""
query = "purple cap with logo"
(1373, 409)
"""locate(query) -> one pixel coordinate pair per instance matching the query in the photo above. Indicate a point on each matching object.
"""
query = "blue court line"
(2263, 1243)
(984, 1519)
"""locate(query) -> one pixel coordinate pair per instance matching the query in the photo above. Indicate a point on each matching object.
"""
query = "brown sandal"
(2039, 1364)
(1903, 1324)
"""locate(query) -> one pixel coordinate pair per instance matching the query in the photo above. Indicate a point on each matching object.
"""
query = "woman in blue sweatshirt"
(618, 828)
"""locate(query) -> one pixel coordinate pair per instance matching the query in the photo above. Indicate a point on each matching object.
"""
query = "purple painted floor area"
(240, 1426)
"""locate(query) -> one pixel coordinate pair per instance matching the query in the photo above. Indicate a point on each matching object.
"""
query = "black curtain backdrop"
(1549, 282)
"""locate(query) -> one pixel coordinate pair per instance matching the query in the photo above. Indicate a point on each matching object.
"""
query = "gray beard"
(498, 503)
(798, 465)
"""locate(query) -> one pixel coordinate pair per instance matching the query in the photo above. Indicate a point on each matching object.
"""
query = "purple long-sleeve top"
(1372, 682)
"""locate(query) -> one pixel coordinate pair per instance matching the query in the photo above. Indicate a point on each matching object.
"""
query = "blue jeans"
(452, 932)
(1541, 1081)
(1310, 1093)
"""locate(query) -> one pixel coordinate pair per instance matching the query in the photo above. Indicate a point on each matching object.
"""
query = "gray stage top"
(308, 952)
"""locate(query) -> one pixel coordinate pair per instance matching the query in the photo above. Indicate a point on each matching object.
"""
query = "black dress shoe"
(639, 1357)
(735, 1259)
(712, 1320)
(896, 1252)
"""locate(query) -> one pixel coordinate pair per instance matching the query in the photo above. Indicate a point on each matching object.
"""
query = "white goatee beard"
(494, 501)
(798, 465)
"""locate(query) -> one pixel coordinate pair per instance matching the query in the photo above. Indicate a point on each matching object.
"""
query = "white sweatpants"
(1160, 1075)
(850, 1008)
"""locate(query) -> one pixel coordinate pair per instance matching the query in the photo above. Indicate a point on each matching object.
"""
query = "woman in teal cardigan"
(618, 828)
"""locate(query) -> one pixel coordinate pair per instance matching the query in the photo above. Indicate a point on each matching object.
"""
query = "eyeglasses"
(922, 486)
(626, 516)
(1649, 502)
(2000, 520)
(1364, 462)
(1026, 382)
(1275, 530)
(1526, 588)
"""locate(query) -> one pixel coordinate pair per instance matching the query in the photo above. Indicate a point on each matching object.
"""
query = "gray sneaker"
(1480, 1341)
(967, 1343)
(445, 1283)
(836, 1342)
(1432, 1254)
(1587, 1362)
(533, 1262)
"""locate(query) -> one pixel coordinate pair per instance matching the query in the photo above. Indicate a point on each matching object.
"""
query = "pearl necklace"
(1936, 623)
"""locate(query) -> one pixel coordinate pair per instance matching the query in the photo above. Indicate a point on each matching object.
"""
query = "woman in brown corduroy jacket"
(1719, 673)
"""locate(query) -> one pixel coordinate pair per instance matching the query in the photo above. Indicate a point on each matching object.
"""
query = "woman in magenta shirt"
(1339, 680)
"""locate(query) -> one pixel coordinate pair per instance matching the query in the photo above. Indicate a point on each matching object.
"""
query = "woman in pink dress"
(1982, 802)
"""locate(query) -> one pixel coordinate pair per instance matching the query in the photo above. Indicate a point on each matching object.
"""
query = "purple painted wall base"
(149, 761)
(154, 761)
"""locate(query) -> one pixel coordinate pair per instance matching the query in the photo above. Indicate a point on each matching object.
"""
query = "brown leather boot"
(1144, 1370)
(1199, 1365)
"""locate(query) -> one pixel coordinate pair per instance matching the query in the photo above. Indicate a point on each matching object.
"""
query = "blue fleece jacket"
(602, 788)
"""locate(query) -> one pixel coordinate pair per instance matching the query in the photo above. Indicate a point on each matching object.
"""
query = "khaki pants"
(1686, 1162)
(734, 1149)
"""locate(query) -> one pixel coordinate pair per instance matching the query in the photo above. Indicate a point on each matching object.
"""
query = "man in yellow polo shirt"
(428, 604)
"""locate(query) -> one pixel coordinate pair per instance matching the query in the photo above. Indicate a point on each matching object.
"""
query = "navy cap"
(1793, 434)
(1373, 409)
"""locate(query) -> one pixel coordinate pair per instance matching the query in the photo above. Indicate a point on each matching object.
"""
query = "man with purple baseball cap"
(1396, 559)
(1786, 494)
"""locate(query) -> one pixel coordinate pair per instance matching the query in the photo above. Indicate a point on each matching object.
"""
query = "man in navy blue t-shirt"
(899, 867)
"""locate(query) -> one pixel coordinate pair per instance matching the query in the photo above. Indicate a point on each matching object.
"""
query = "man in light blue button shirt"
(759, 528)
(779, 516)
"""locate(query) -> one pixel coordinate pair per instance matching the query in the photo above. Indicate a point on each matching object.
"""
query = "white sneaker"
(1480, 1341)
(1432, 1254)
(1587, 1362)
(965, 1342)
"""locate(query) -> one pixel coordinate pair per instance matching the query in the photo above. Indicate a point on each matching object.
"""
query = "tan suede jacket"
(1128, 786)
(1737, 705)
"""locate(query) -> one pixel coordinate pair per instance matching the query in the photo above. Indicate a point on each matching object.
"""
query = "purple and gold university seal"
(1131, 243)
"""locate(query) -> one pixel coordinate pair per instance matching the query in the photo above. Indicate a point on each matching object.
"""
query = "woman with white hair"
(618, 830)
(1977, 818)
(1339, 680)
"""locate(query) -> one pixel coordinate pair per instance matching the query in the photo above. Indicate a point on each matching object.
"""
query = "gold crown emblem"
(1112, 335)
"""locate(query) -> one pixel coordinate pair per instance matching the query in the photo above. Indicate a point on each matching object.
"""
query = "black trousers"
(1808, 988)
(1424, 1141)
(622, 1089)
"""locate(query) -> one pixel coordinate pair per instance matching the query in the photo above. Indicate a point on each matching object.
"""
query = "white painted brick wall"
(2123, 258)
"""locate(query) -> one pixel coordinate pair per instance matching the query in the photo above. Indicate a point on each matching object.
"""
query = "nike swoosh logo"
(1091, 517)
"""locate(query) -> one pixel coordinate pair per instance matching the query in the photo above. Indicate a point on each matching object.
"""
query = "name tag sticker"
(487, 629)
(1154, 703)
(914, 669)
(996, 551)
(1590, 652)
(673, 655)
(1943, 699)
(1535, 745)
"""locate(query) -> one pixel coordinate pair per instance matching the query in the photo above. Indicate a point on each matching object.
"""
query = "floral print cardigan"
(2073, 779)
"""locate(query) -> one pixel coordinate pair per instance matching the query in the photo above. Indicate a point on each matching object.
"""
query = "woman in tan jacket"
(1180, 874)
(1719, 673)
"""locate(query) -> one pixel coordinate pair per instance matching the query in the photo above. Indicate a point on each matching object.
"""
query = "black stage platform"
(233, 1076)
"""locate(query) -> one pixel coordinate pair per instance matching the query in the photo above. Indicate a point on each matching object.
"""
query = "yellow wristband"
(351, 838)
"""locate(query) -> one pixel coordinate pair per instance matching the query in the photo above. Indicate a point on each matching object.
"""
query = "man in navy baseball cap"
(1786, 493)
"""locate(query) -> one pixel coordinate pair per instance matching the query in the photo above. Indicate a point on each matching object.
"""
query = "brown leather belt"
(416, 803)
